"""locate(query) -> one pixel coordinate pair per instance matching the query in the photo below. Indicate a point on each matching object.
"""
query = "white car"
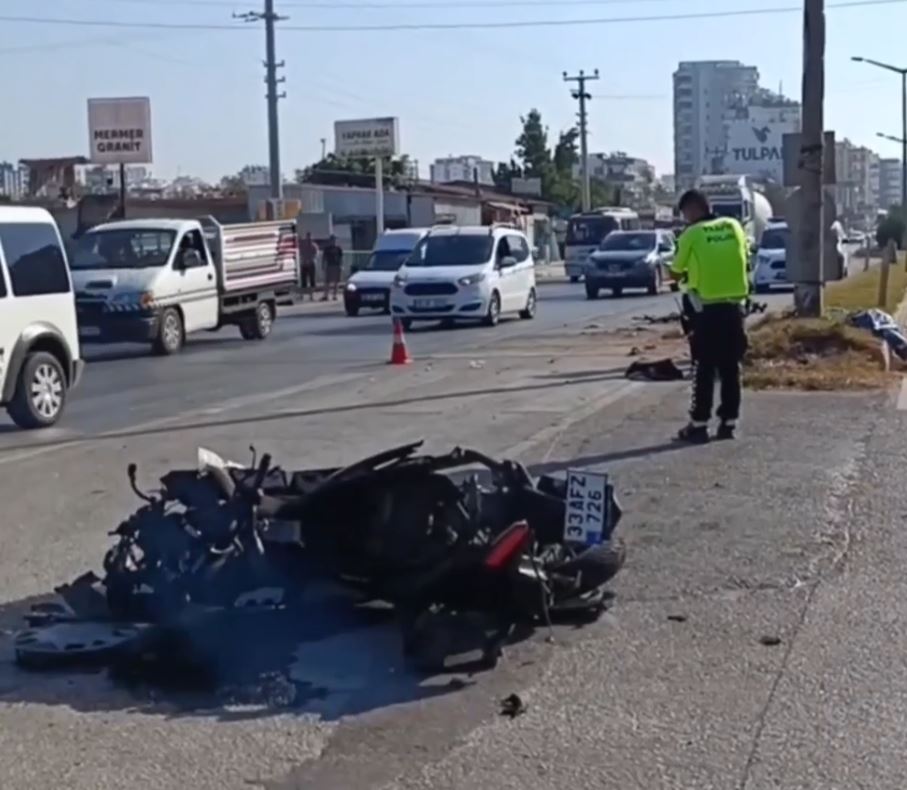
(473, 273)
(370, 287)
(39, 337)
(770, 268)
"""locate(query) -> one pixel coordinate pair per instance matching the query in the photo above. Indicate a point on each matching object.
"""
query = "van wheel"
(528, 312)
(260, 324)
(574, 279)
(591, 291)
(617, 292)
(40, 392)
(655, 285)
(170, 335)
(493, 316)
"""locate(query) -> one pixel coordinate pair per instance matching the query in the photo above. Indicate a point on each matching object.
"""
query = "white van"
(466, 273)
(39, 339)
(370, 287)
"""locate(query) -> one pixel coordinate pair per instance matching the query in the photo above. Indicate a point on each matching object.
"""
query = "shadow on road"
(557, 382)
(328, 658)
(606, 458)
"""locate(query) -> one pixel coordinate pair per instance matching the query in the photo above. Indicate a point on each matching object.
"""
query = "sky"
(455, 91)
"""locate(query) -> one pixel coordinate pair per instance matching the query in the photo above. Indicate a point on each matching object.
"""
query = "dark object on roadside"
(770, 641)
(659, 370)
(677, 618)
(513, 706)
(634, 352)
(670, 318)
(451, 548)
(885, 327)
(755, 308)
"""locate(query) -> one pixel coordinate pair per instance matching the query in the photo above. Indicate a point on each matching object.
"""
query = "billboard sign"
(119, 131)
(756, 147)
(367, 138)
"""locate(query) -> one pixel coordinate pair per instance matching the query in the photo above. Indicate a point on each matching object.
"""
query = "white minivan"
(466, 273)
(369, 288)
(39, 337)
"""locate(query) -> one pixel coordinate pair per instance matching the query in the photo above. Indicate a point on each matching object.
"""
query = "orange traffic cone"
(399, 353)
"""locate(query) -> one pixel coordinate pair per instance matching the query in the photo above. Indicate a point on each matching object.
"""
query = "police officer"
(712, 260)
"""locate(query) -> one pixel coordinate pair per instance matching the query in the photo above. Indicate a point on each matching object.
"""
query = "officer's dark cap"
(693, 197)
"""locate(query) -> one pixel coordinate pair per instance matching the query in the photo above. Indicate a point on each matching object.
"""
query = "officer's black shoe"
(726, 432)
(693, 434)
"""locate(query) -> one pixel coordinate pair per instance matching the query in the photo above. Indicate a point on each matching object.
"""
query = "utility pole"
(270, 18)
(808, 292)
(324, 148)
(583, 96)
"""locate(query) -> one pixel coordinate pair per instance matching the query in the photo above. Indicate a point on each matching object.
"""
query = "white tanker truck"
(740, 197)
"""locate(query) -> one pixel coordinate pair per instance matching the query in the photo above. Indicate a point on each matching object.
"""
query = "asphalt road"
(125, 387)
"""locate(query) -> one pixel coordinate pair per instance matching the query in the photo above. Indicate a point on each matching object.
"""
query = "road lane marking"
(173, 420)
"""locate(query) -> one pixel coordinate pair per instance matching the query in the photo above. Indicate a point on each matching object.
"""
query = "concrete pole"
(583, 97)
(271, 66)
(808, 292)
(379, 195)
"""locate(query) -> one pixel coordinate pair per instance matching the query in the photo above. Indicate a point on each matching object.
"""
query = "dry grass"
(826, 354)
(861, 292)
(815, 355)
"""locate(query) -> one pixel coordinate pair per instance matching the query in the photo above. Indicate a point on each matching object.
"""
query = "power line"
(405, 4)
(483, 25)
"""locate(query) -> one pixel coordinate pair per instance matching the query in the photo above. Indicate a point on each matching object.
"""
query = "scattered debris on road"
(770, 641)
(658, 370)
(513, 706)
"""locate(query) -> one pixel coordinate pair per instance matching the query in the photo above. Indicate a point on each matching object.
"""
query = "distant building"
(99, 179)
(858, 191)
(890, 176)
(703, 90)
(462, 168)
(13, 181)
(634, 176)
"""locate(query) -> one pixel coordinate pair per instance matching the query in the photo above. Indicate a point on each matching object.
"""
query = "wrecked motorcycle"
(439, 540)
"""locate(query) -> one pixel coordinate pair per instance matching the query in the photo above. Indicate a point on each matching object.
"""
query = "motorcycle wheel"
(595, 566)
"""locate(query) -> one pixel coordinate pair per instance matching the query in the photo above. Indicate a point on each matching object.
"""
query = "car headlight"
(472, 279)
(140, 298)
(351, 286)
(399, 281)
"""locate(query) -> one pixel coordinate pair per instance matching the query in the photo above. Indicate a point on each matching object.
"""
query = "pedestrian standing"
(333, 266)
(712, 259)
(308, 255)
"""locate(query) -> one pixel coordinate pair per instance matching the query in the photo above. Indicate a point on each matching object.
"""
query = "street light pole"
(903, 139)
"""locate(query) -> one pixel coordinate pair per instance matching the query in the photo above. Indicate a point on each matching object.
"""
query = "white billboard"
(755, 146)
(119, 131)
(370, 137)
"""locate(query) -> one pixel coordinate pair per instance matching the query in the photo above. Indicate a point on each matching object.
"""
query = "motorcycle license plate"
(587, 515)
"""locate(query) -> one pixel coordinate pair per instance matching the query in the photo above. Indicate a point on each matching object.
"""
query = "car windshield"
(775, 240)
(448, 250)
(123, 249)
(629, 242)
(387, 260)
(589, 230)
(734, 210)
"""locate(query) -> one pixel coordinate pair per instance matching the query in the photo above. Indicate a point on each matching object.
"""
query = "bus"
(587, 230)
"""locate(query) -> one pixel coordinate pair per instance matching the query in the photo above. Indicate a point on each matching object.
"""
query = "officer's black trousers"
(718, 344)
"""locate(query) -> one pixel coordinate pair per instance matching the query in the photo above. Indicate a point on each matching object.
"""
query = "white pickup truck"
(159, 280)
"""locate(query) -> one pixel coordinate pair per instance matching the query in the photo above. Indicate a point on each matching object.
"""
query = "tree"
(566, 152)
(505, 173)
(532, 147)
(344, 171)
(892, 227)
